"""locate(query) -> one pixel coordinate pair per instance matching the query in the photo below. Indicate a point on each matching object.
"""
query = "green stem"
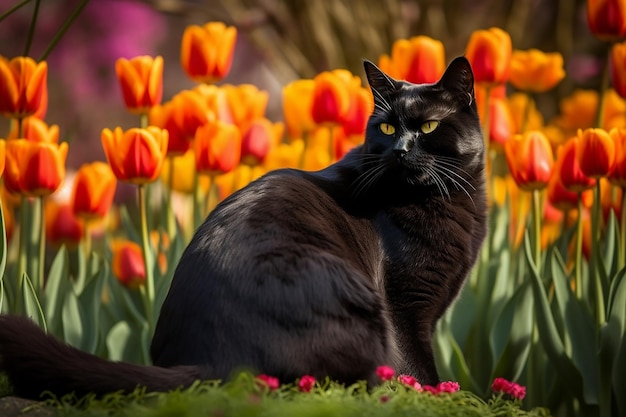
(42, 245)
(594, 274)
(57, 36)
(486, 124)
(147, 257)
(13, 9)
(536, 223)
(31, 28)
(144, 120)
(579, 249)
(621, 260)
(197, 201)
(22, 258)
(213, 194)
(168, 195)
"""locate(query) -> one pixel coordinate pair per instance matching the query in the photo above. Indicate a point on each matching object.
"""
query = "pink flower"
(306, 383)
(447, 386)
(410, 381)
(385, 373)
(268, 381)
(508, 387)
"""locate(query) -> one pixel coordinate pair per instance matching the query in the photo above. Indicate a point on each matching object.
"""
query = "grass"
(243, 397)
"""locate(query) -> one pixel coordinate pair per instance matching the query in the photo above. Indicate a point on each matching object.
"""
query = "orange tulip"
(135, 155)
(141, 80)
(216, 99)
(595, 152)
(521, 114)
(218, 148)
(93, 191)
(62, 225)
(181, 117)
(607, 19)
(418, 60)
(261, 136)
(618, 173)
(501, 122)
(560, 197)
(22, 86)
(36, 130)
(618, 68)
(572, 177)
(361, 106)
(530, 160)
(297, 108)
(127, 263)
(331, 96)
(489, 52)
(578, 110)
(34, 168)
(536, 71)
(285, 155)
(246, 103)
(207, 51)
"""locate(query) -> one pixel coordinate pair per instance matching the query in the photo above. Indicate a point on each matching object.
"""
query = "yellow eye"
(387, 129)
(429, 126)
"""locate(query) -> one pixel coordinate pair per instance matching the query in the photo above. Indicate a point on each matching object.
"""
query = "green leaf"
(619, 380)
(2, 296)
(72, 321)
(3, 243)
(616, 304)
(128, 225)
(80, 280)
(579, 330)
(57, 286)
(117, 340)
(611, 234)
(511, 335)
(91, 302)
(548, 333)
(32, 307)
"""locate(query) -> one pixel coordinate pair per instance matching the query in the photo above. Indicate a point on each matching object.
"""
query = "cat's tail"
(36, 362)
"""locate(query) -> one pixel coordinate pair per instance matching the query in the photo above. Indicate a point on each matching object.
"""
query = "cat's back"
(277, 257)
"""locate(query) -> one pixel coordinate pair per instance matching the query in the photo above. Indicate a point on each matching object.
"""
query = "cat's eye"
(429, 126)
(387, 129)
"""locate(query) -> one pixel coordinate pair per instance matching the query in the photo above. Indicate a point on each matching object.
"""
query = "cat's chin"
(415, 178)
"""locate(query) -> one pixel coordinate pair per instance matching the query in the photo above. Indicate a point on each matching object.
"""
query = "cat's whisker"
(456, 183)
(366, 179)
(439, 183)
(447, 167)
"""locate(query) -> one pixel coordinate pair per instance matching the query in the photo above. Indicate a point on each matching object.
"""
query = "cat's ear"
(459, 80)
(378, 80)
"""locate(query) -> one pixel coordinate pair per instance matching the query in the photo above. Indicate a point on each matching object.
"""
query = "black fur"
(327, 273)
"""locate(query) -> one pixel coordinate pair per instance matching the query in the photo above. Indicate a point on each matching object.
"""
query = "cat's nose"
(400, 153)
(402, 147)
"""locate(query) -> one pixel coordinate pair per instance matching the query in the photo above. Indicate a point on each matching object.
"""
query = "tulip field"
(540, 326)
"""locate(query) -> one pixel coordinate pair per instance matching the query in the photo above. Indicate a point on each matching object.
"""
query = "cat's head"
(428, 134)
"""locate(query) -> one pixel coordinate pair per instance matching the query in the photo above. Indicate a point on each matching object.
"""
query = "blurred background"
(279, 41)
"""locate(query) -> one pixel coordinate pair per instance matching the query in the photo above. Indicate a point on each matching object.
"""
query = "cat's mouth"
(415, 174)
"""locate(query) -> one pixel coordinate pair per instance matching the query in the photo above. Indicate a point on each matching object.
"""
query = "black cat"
(328, 273)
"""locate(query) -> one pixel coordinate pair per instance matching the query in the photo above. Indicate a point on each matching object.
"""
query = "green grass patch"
(244, 396)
